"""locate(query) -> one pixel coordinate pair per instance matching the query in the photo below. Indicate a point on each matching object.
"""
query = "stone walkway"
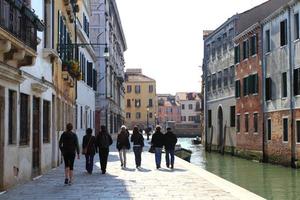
(186, 181)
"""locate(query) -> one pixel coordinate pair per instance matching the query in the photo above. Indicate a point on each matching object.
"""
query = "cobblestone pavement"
(186, 181)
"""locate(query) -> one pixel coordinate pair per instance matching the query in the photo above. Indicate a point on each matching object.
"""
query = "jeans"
(89, 162)
(170, 153)
(103, 155)
(158, 156)
(138, 155)
(122, 155)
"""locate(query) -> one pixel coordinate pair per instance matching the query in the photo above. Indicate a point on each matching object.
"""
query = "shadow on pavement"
(144, 170)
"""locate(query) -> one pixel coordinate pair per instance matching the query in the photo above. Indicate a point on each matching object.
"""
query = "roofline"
(120, 24)
(245, 32)
(278, 11)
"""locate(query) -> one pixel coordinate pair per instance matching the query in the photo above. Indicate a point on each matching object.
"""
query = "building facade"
(106, 33)
(248, 93)
(168, 109)
(281, 83)
(140, 100)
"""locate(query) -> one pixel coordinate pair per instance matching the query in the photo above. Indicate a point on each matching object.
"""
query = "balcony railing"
(20, 21)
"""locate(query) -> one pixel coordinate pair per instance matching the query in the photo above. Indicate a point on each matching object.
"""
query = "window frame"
(269, 129)
(283, 130)
(255, 122)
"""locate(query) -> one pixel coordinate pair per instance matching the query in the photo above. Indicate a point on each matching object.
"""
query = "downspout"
(293, 141)
(265, 159)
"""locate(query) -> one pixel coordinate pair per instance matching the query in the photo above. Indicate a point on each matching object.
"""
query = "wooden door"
(36, 137)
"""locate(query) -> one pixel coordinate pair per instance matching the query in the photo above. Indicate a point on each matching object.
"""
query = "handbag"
(84, 150)
(152, 149)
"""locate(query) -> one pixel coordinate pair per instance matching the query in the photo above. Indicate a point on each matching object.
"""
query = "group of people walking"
(91, 145)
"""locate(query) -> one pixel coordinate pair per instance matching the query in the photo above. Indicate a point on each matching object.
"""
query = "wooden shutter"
(94, 79)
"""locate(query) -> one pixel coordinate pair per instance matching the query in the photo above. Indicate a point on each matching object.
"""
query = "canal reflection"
(266, 180)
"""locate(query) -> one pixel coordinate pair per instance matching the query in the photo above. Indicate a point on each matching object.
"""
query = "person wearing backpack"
(68, 145)
(89, 148)
(104, 140)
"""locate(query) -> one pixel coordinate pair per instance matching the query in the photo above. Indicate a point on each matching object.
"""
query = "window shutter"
(90, 74)
(94, 79)
(296, 81)
(237, 88)
(268, 89)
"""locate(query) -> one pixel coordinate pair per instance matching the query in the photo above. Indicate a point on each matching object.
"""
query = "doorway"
(220, 128)
(36, 137)
(2, 106)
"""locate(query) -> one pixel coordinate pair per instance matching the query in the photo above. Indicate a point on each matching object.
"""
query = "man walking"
(157, 142)
(170, 142)
(104, 140)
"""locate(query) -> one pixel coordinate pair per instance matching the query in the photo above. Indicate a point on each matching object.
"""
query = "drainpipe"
(265, 159)
(293, 141)
(205, 103)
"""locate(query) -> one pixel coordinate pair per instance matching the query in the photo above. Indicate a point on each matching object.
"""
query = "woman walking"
(123, 145)
(104, 140)
(68, 145)
(138, 144)
(157, 142)
(89, 149)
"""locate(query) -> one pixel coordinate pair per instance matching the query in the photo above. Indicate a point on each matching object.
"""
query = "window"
(24, 120)
(151, 115)
(209, 119)
(94, 80)
(129, 88)
(208, 83)
(138, 115)
(137, 103)
(182, 106)
(285, 129)
(245, 49)
(213, 50)
(224, 43)
(238, 123)
(237, 57)
(190, 106)
(269, 126)
(245, 86)
(232, 75)
(89, 77)
(225, 78)
(284, 85)
(150, 104)
(232, 116)
(220, 79)
(253, 84)
(191, 118)
(296, 26)
(137, 89)
(86, 25)
(214, 82)
(150, 88)
(297, 81)
(253, 45)
(12, 117)
(268, 40)
(268, 89)
(298, 131)
(246, 123)
(46, 121)
(128, 115)
(128, 103)
(255, 122)
(283, 33)
(237, 88)
(183, 118)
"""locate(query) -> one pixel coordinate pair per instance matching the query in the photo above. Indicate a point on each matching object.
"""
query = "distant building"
(140, 99)
(168, 109)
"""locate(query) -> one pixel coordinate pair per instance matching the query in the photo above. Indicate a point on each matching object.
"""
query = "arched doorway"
(220, 128)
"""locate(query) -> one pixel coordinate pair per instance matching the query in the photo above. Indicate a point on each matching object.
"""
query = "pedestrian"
(170, 142)
(68, 144)
(157, 142)
(123, 145)
(89, 148)
(104, 140)
(138, 144)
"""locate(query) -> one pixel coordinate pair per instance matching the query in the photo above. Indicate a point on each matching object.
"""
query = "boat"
(196, 140)
(183, 153)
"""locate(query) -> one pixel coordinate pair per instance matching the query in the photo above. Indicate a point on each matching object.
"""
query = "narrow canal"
(266, 180)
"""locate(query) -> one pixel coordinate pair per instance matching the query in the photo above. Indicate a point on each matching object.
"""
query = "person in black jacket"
(138, 144)
(90, 147)
(170, 142)
(68, 144)
(104, 140)
(157, 142)
(123, 145)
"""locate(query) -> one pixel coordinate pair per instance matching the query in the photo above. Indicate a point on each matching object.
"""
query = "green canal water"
(266, 180)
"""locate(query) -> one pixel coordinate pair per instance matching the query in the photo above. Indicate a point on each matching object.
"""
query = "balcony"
(18, 33)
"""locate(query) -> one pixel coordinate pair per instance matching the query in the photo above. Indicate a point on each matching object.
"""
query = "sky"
(164, 37)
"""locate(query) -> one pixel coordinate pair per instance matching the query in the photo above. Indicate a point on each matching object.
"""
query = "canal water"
(266, 180)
